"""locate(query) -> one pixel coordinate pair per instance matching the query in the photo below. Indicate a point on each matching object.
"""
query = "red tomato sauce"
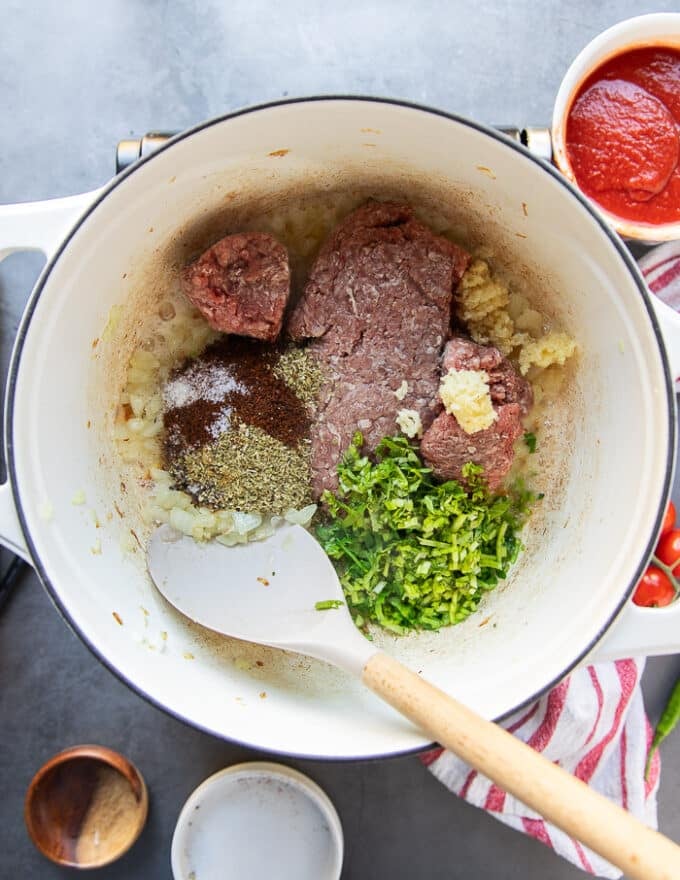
(623, 135)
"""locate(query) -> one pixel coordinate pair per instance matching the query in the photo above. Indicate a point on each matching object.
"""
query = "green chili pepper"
(328, 604)
(669, 719)
(411, 552)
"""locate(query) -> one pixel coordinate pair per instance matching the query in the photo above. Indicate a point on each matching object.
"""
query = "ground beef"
(377, 308)
(241, 285)
(505, 383)
(446, 447)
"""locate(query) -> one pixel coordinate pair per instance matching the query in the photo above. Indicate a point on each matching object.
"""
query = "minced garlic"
(409, 423)
(482, 305)
(553, 348)
(466, 396)
(112, 322)
(494, 316)
(402, 390)
(46, 511)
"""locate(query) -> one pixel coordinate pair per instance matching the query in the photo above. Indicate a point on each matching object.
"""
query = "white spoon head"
(265, 591)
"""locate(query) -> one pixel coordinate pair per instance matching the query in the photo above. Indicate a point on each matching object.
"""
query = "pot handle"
(32, 226)
(640, 632)
(648, 631)
(669, 321)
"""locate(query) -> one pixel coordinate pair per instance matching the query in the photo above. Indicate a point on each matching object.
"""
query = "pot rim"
(24, 326)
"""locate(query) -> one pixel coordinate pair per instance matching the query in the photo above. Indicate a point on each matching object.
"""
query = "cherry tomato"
(668, 520)
(668, 548)
(654, 589)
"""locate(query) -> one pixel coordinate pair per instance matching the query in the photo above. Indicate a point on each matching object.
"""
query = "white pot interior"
(604, 464)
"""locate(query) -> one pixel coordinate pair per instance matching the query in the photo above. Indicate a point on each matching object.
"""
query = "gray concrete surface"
(75, 77)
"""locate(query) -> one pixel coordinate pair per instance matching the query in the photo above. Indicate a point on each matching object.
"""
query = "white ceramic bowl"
(258, 821)
(658, 29)
(614, 450)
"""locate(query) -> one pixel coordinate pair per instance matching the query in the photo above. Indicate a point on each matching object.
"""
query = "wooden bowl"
(86, 807)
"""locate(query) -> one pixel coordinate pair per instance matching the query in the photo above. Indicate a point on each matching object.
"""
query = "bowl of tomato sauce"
(616, 126)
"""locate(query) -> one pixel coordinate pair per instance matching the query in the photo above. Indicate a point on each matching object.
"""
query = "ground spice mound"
(237, 422)
(300, 372)
(247, 463)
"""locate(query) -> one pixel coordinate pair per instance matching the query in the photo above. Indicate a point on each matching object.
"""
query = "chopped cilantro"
(328, 604)
(530, 440)
(412, 553)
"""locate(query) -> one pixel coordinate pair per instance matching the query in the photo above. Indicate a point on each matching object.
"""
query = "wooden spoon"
(266, 592)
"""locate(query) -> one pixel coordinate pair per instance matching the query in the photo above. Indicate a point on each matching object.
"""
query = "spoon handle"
(642, 854)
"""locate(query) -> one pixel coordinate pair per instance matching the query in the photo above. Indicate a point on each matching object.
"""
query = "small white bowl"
(659, 29)
(257, 821)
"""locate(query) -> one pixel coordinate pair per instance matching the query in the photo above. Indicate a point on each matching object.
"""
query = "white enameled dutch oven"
(610, 448)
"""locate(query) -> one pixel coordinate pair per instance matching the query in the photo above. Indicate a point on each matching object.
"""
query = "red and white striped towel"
(594, 725)
(661, 270)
